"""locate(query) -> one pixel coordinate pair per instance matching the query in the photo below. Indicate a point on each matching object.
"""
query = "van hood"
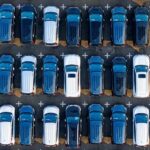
(50, 32)
(72, 87)
(142, 87)
(5, 133)
(50, 134)
(27, 81)
(142, 132)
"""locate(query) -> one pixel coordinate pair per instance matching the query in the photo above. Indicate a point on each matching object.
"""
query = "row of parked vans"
(28, 17)
(72, 84)
(51, 121)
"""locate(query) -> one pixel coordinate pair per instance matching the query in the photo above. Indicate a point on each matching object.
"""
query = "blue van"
(28, 18)
(6, 73)
(141, 25)
(73, 113)
(119, 76)
(73, 26)
(49, 74)
(26, 124)
(119, 123)
(96, 123)
(119, 20)
(96, 74)
(96, 25)
(6, 22)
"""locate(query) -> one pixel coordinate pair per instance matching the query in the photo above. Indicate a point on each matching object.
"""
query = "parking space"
(108, 52)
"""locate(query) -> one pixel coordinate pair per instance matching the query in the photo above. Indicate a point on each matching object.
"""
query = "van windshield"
(141, 68)
(141, 76)
(71, 75)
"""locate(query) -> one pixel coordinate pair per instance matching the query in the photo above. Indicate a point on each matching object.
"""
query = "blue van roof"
(28, 8)
(50, 59)
(25, 128)
(7, 7)
(96, 119)
(50, 67)
(95, 10)
(96, 17)
(5, 77)
(96, 108)
(119, 108)
(27, 15)
(96, 60)
(119, 18)
(6, 67)
(73, 18)
(95, 82)
(73, 120)
(6, 15)
(6, 59)
(73, 111)
(119, 132)
(119, 10)
(141, 17)
(26, 117)
(25, 133)
(119, 117)
(118, 32)
(119, 68)
(141, 10)
(96, 68)
(26, 109)
(96, 116)
(73, 10)
(6, 24)
(119, 60)
(96, 131)
(49, 75)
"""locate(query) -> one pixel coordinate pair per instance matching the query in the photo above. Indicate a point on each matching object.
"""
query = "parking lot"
(106, 51)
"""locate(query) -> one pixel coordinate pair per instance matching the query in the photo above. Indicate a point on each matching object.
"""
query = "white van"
(72, 85)
(51, 25)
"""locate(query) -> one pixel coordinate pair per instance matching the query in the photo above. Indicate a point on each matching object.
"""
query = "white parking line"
(62, 104)
(19, 55)
(85, 55)
(62, 55)
(18, 103)
(129, 55)
(129, 6)
(129, 104)
(41, 55)
(107, 104)
(41, 6)
(63, 6)
(85, 7)
(107, 55)
(18, 6)
(107, 6)
(84, 103)
(40, 103)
